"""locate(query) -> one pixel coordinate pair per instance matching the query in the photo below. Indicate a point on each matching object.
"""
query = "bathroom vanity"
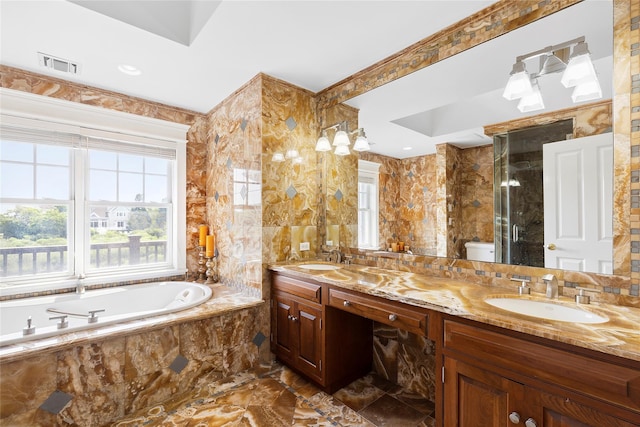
(492, 368)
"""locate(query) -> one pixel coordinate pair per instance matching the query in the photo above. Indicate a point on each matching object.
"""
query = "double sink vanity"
(501, 358)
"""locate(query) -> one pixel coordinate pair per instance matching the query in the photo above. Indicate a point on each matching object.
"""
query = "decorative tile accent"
(291, 191)
(338, 195)
(229, 163)
(216, 139)
(243, 125)
(216, 196)
(291, 123)
(476, 204)
(259, 339)
(410, 174)
(56, 402)
(179, 363)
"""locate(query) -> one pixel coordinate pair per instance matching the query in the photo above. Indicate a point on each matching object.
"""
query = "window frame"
(42, 113)
(369, 173)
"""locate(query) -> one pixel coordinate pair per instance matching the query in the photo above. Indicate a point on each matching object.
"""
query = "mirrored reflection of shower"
(518, 192)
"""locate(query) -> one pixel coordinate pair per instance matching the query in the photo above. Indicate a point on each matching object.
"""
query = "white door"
(578, 204)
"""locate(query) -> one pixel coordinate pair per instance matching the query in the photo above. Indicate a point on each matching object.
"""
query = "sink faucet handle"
(552, 285)
(524, 288)
(581, 298)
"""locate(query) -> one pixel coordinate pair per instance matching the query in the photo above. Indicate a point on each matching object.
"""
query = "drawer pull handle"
(393, 317)
(514, 417)
(346, 303)
(530, 423)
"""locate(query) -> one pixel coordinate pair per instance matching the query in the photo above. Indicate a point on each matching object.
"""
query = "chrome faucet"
(336, 256)
(552, 285)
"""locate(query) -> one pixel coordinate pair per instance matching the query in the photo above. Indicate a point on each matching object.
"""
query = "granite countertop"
(619, 336)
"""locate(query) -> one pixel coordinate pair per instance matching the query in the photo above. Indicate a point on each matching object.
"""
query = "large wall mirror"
(451, 102)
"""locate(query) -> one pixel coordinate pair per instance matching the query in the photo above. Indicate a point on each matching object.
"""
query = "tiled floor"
(279, 397)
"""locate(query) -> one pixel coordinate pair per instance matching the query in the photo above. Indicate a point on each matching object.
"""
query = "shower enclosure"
(518, 192)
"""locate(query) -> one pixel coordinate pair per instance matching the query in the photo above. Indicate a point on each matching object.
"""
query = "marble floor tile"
(279, 397)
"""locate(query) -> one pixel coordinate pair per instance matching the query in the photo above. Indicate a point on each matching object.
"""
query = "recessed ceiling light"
(129, 70)
(407, 148)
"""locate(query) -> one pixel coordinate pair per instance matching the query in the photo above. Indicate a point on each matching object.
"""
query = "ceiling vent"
(58, 64)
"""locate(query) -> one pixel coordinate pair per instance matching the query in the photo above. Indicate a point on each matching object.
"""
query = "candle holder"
(212, 270)
(201, 264)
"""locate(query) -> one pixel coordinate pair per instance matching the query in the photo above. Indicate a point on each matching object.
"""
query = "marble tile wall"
(290, 189)
(405, 359)
(233, 191)
(94, 384)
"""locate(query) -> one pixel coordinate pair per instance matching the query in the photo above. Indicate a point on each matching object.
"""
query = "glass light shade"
(292, 154)
(341, 138)
(519, 83)
(323, 143)
(587, 91)
(361, 144)
(579, 70)
(277, 157)
(531, 102)
(342, 150)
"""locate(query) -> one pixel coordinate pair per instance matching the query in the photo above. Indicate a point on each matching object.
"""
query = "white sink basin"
(325, 267)
(546, 310)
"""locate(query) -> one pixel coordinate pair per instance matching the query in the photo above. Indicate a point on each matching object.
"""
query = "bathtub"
(94, 308)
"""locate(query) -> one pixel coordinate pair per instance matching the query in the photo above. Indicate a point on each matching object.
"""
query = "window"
(368, 204)
(74, 200)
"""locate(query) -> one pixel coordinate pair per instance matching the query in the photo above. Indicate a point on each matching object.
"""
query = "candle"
(203, 233)
(210, 246)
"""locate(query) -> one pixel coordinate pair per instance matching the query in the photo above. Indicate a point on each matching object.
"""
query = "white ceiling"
(193, 54)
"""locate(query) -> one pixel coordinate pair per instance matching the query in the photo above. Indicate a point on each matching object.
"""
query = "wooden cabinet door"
(475, 397)
(557, 411)
(297, 334)
(308, 329)
(282, 333)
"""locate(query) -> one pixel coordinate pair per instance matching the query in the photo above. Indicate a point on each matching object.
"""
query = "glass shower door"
(518, 192)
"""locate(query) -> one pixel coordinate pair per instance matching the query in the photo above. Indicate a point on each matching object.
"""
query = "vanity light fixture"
(531, 101)
(578, 73)
(341, 140)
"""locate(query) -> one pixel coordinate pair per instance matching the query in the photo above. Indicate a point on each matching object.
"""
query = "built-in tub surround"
(29, 319)
(92, 378)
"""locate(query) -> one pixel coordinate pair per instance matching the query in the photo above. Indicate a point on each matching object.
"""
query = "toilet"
(480, 251)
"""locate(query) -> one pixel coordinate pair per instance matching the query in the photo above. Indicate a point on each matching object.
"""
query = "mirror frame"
(499, 19)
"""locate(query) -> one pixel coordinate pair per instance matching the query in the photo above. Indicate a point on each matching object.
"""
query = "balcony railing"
(50, 259)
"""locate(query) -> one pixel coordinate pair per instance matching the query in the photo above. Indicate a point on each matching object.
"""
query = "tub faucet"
(552, 285)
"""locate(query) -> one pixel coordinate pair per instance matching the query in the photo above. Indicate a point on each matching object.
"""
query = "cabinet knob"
(514, 417)
(530, 423)
(294, 319)
(346, 303)
(393, 317)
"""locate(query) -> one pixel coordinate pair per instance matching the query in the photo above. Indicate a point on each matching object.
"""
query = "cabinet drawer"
(389, 313)
(304, 289)
(597, 378)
